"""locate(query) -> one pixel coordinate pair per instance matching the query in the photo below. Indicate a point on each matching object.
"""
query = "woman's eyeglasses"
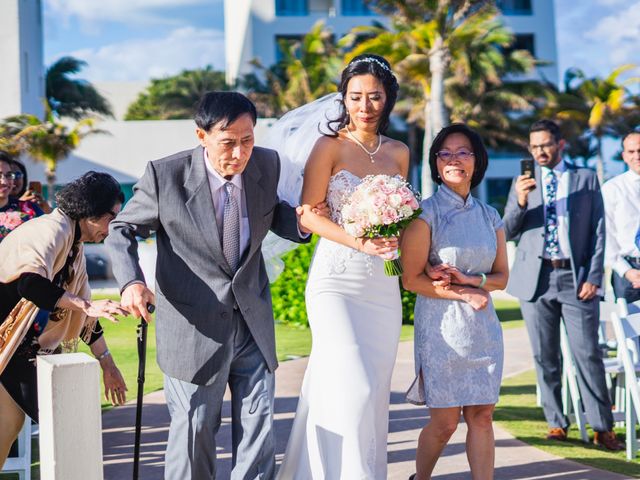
(446, 155)
(8, 176)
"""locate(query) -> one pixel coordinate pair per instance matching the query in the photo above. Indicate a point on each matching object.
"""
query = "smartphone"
(526, 167)
(35, 187)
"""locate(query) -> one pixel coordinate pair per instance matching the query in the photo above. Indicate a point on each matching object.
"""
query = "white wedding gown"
(355, 312)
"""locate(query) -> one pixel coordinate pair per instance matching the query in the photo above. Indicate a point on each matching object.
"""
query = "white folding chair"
(571, 399)
(626, 325)
(612, 365)
(22, 463)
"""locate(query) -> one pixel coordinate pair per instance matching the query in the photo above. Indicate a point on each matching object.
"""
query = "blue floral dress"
(458, 350)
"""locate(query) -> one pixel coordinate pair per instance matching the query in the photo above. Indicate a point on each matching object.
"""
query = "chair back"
(605, 334)
(631, 308)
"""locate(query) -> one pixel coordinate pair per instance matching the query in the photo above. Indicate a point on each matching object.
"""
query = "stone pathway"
(514, 460)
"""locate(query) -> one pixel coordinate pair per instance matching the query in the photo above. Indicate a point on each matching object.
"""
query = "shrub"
(287, 292)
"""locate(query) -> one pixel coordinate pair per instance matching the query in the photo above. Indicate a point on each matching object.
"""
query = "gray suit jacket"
(196, 290)
(586, 233)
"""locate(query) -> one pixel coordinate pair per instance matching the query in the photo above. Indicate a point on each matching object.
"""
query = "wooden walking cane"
(142, 363)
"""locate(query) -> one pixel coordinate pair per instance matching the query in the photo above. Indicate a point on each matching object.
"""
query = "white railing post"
(70, 420)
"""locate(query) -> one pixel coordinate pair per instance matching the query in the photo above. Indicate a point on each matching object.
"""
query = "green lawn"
(517, 412)
(509, 313)
(291, 342)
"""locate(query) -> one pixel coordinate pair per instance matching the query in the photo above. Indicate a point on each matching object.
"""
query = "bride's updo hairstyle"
(367, 64)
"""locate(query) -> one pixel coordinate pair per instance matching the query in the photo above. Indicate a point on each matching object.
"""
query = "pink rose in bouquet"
(381, 206)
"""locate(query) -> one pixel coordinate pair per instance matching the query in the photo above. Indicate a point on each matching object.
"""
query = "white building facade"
(254, 29)
(21, 57)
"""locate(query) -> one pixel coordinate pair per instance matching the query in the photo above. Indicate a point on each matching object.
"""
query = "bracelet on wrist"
(483, 281)
(103, 355)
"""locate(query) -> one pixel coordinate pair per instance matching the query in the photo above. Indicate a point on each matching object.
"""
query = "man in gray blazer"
(210, 209)
(557, 217)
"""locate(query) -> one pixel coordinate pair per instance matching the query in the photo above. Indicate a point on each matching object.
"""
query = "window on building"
(322, 6)
(525, 41)
(294, 8)
(356, 7)
(515, 7)
(286, 40)
(286, 8)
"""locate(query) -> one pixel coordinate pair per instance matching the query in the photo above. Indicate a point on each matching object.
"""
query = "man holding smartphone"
(557, 216)
(622, 209)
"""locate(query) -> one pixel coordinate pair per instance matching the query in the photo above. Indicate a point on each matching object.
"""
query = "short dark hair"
(223, 108)
(25, 178)
(89, 196)
(546, 125)
(368, 64)
(627, 135)
(5, 157)
(481, 157)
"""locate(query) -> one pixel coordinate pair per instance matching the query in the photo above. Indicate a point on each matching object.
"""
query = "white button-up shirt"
(218, 195)
(562, 195)
(621, 197)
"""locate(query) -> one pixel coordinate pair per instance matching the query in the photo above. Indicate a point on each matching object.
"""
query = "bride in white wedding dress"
(341, 425)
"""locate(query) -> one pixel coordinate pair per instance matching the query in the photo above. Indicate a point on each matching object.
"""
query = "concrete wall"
(127, 147)
(21, 54)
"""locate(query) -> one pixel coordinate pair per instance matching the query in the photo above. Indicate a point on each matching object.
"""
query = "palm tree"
(73, 97)
(175, 97)
(308, 70)
(438, 45)
(593, 108)
(48, 141)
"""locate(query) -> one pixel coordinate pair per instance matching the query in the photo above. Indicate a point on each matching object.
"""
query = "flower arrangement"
(381, 206)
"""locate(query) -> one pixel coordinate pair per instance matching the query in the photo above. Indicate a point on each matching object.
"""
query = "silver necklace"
(361, 145)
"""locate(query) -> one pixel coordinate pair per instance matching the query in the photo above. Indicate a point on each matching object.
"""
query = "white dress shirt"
(621, 197)
(562, 195)
(218, 195)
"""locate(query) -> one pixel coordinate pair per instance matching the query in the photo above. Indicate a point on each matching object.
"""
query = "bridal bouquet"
(381, 206)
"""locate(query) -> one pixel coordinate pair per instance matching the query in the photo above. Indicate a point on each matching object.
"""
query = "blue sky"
(136, 40)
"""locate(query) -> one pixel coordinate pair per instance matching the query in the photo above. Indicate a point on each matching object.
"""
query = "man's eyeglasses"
(446, 155)
(8, 176)
(543, 146)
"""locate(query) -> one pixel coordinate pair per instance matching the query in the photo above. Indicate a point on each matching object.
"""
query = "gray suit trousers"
(196, 414)
(555, 299)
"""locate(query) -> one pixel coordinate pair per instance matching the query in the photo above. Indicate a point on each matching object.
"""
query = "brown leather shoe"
(557, 433)
(608, 440)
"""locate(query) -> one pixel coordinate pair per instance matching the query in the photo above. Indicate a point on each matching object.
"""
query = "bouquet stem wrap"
(392, 265)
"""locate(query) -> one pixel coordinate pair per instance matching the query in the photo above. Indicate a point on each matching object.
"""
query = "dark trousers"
(622, 288)
(555, 299)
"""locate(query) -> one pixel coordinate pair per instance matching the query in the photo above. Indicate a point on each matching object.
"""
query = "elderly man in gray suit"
(558, 219)
(210, 209)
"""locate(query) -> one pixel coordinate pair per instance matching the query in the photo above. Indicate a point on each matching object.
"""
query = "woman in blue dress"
(453, 256)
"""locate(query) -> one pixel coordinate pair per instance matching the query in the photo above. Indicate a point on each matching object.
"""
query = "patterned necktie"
(231, 228)
(551, 221)
(638, 239)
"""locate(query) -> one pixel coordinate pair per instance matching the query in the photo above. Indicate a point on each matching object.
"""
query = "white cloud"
(597, 36)
(612, 3)
(126, 11)
(619, 32)
(186, 47)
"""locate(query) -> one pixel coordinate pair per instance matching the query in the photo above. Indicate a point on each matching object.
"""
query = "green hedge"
(287, 292)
